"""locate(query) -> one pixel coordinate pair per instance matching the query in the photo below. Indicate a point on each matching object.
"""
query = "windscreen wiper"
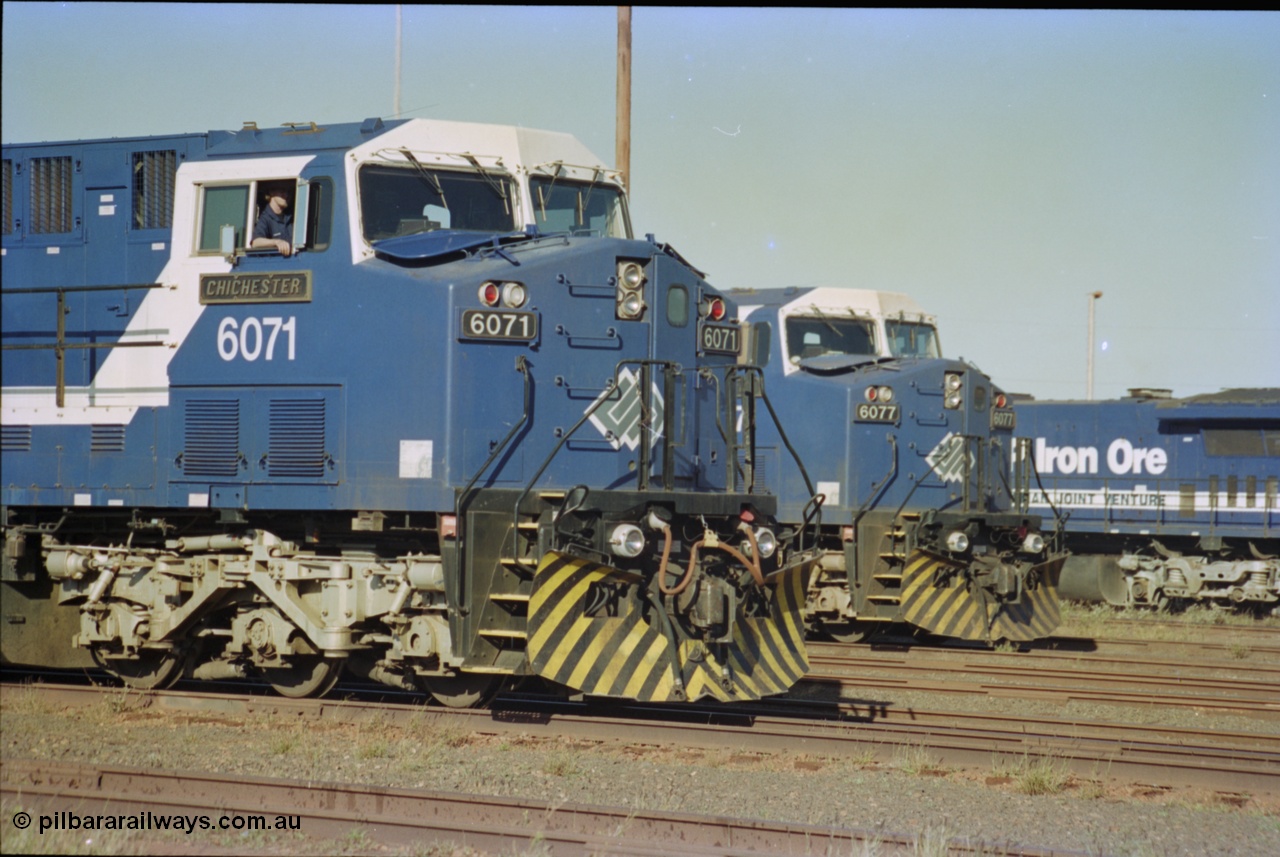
(432, 180)
(497, 186)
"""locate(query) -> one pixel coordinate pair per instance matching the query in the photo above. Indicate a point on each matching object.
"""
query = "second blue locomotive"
(923, 520)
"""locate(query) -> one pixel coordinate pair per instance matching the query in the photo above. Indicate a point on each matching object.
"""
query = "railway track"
(1265, 645)
(1248, 689)
(412, 817)
(1262, 629)
(1227, 762)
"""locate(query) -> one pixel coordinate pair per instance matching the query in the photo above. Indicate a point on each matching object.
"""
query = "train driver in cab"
(274, 229)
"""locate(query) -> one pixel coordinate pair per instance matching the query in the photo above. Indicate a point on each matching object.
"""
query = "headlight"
(627, 540)
(951, 386)
(629, 295)
(766, 541)
(957, 542)
(1033, 543)
(514, 295)
(631, 306)
(630, 275)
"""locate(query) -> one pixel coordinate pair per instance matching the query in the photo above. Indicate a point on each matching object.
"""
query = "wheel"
(307, 675)
(152, 670)
(468, 690)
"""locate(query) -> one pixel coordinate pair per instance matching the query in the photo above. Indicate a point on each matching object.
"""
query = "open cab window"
(228, 213)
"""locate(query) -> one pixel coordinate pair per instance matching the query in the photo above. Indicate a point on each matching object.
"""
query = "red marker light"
(715, 311)
(1001, 401)
(490, 294)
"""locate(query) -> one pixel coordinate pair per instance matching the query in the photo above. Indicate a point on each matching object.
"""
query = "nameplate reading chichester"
(271, 288)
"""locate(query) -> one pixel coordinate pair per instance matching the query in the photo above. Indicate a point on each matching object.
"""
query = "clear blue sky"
(996, 165)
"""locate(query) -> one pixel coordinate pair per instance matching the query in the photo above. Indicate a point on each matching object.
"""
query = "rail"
(60, 346)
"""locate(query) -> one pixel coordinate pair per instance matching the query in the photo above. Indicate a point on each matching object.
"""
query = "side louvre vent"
(50, 195)
(297, 447)
(212, 445)
(106, 439)
(6, 192)
(154, 174)
(15, 438)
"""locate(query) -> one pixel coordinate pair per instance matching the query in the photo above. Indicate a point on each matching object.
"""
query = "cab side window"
(239, 206)
(223, 205)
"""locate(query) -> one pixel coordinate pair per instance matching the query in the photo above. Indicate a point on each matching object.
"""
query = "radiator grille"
(50, 195)
(297, 447)
(154, 174)
(6, 176)
(15, 438)
(212, 446)
(106, 439)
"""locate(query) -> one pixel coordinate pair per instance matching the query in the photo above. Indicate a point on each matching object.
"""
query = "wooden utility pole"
(622, 155)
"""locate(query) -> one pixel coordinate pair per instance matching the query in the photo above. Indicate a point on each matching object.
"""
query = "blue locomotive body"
(1163, 499)
(465, 427)
(920, 521)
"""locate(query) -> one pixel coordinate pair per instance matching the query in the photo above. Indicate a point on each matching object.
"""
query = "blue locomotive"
(921, 521)
(1164, 499)
(447, 423)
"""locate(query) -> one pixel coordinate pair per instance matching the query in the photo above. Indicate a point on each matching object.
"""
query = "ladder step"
(888, 578)
(505, 635)
(514, 597)
(884, 599)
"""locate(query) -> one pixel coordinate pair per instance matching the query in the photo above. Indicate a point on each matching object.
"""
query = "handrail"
(60, 346)
(804, 474)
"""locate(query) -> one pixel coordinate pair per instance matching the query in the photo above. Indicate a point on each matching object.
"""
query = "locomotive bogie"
(1195, 577)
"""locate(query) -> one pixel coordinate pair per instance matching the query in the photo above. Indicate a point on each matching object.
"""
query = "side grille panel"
(212, 446)
(297, 439)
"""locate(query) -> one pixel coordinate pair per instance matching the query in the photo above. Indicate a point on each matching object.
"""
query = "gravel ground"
(908, 795)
